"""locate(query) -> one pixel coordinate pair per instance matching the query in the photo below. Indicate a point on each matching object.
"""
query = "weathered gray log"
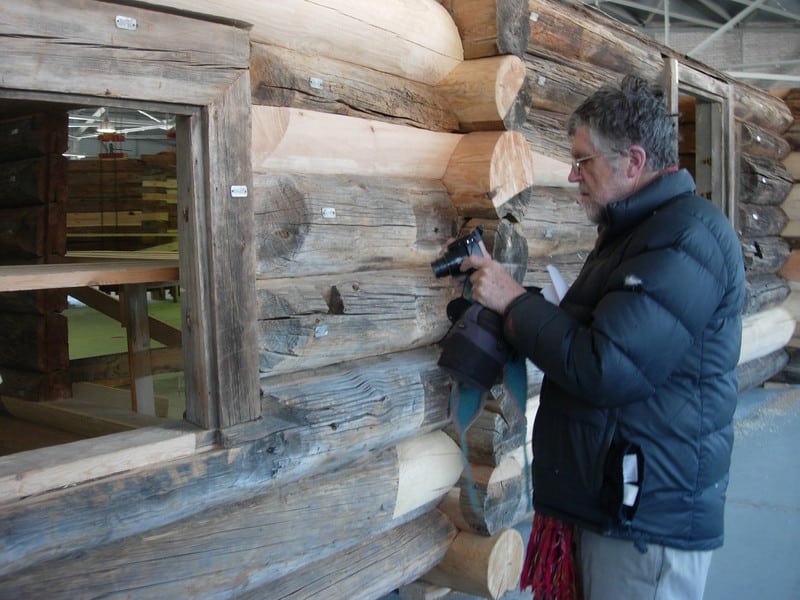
(764, 254)
(282, 77)
(490, 438)
(791, 370)
(757, 141)
(504, 240)
(34, 135)
(569, 265)
(755, 372)
(571, 31)
(546, 132)
(489, 27)
(232, 548)
(792, 134)
(555, 222)
(309, 225)
(764, 290)
(316, 321)
(758, 220)
(313, 422)
(759, 107)
(762, 180)
(372, 568)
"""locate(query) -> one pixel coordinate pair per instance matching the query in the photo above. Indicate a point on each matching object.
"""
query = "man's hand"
(492, 285)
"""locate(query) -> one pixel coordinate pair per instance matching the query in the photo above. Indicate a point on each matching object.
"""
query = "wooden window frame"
(217, 255)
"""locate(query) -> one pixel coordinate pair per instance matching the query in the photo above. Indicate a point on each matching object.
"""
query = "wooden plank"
(133, 299)
(68, 275)
(19, 435)
(112, 369)
(166, 58)
(415, 39)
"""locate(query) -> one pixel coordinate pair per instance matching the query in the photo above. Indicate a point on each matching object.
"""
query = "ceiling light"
(106, 126)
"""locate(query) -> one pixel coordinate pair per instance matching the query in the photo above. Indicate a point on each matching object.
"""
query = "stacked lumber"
(122, 203)
(791, 233)
(34, 357)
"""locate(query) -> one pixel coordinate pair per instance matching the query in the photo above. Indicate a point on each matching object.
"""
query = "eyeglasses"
(577, 162)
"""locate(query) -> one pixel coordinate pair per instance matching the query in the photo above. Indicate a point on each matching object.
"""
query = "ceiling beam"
(781, 12)
(658, 11)
(728, 26)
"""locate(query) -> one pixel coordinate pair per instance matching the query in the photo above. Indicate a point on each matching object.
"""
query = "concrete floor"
(761, 555)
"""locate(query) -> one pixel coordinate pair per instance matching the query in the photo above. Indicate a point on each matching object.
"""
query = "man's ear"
(637, 159)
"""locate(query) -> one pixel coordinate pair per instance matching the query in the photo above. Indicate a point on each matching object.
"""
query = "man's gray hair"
(633, 112)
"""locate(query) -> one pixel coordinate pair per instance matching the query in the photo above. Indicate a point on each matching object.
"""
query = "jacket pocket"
(623, 474)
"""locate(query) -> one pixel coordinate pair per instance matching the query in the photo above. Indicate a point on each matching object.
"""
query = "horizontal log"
(757, 141)
(373, 568)
(569, 265)
(488, 93)
(758, 220)
(489, 28)
(260, 539)
(791, 268)
(113, 369)
(33, 181)
(24, 234)
(571, 31)
(169, 58)
(38, 302)
(763, 291)
(303, 431)
(758, 106)
(30, 136)
(482, 566)
(791, 163)
(21, 436)
(414, 39)
(791, 204)
(504, 240)
(755, 372)
(35, 386)
(486, 170)
(490, 438)
(296, 79)
(546, 132)
(764, 254)
(792, 134)
(34, 342)
(555, 222)
(309, 225)
(288, 140)
(762, 180)
(764, 332)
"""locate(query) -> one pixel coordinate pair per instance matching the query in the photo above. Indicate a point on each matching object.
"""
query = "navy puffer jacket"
(642, 352)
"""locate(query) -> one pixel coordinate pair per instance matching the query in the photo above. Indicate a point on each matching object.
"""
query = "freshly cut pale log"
(755, 372)
(764, 332)
(486, 170)
(764, 254)
(759, 107)
(482, 566)
(763, 291)
(311, 225)
(313, 422)
(757, 141)
(371, 569)
(574, 32)
(415, 39)
(792, 165)
(758, 220)
(288, 140)
(488, 93)
(555, 223)
(489, 27)
(763, 180)
(290, 78)
(258, 539)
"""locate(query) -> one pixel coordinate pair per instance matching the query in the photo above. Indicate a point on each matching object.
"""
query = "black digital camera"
(457, 251)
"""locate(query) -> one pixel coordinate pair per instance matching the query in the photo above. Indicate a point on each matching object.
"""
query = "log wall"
(376, 136)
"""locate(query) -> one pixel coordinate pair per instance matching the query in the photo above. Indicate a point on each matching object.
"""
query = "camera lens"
(447, 265)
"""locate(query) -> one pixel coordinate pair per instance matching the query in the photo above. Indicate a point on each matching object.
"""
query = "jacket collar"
(624, 214)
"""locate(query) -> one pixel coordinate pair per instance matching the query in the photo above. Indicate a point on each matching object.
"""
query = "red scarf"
(549, 568)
